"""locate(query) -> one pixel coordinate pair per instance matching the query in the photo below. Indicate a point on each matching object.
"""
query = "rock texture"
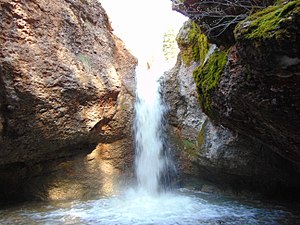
(250, 93)
(258, 93)
(66, 85)
(255, 89)
(218, 18)
(213, 154)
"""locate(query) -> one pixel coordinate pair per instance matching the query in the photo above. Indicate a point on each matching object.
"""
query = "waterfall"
(152, 159)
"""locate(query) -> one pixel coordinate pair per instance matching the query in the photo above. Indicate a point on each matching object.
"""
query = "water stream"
(146, 203)
(153, 163)
(149, 112)
(149, 202)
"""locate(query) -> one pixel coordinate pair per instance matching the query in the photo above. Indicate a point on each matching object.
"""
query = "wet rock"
(214, 154)
(257, 95)
(66, 85)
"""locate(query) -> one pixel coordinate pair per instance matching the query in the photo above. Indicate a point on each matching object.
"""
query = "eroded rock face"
(258, 93)
(212, 153)
(252, 89)
(66, 84)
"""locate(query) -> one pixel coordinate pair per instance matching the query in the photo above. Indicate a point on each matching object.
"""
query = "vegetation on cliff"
(192, 43)
(249, 86)
(207, 78)
(276, 22)
(194, 47)
(272, 22)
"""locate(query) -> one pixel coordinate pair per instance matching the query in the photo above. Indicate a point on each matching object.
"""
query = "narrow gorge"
(135, 112)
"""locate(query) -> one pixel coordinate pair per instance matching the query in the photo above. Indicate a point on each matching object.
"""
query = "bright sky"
(142, 23)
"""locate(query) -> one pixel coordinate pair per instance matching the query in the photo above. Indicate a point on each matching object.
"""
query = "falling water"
(145, 206)
(152, 159)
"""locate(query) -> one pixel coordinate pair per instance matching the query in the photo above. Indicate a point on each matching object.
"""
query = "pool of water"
(182, 206)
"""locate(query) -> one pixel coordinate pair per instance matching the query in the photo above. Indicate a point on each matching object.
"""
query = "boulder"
(207, 145)
(66, 85)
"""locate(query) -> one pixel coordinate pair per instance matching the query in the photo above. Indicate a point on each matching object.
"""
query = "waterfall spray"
(152, 160)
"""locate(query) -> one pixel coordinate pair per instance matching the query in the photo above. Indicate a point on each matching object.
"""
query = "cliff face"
(261, 83)
(257, 92)
(214, 154)
(66, 85)
(250, 85)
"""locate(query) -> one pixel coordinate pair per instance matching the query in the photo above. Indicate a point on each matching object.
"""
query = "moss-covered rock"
(272, 22)
(207, 78)
(192, 43)
(258, 93)
(270, 38)
(190, 148)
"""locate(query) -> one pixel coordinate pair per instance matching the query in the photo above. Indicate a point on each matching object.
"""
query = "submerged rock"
(66, 85)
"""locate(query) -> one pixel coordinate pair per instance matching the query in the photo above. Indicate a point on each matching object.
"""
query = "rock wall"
(225, 148)
(66, 86)
(214, 155)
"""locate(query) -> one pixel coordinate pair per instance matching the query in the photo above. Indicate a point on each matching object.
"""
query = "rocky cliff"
(250, 85)
(66, 87)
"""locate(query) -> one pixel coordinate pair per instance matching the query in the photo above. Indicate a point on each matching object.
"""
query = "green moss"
(207, 78)
(201, 136)
(195, 46)
(188, 144)
(190, 147)
(268, 23)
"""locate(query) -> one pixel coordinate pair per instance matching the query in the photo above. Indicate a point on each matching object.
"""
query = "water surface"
(133, 207)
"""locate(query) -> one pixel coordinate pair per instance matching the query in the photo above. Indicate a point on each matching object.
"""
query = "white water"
(184, 207)
(145, 204)
(149, 111)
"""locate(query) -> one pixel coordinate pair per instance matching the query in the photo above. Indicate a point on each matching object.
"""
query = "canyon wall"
(249, 90)
(66, 89)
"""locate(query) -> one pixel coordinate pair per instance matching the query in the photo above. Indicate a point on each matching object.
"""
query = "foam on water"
(139, 207)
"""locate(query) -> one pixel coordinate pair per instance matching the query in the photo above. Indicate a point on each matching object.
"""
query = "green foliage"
(268, 23)
(193, 44)
(207, 78)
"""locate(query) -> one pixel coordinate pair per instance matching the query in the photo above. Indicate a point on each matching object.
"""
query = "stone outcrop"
(213, 154)
(258, 89)
(218, 18)
(66, 86)
(250, 93)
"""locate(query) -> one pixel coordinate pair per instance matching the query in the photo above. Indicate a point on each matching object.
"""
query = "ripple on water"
(136, 207)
